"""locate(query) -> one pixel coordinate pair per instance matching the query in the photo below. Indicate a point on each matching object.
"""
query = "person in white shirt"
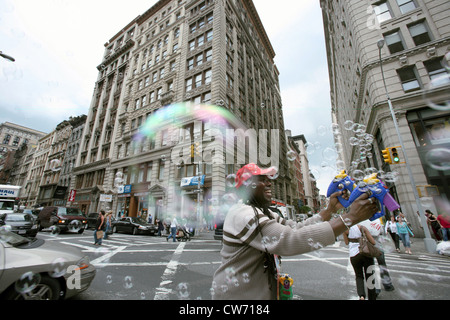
(362, 265)
(173, 230)
(391, 228)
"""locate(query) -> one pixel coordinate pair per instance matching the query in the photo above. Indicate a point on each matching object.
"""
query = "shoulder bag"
(366, 248)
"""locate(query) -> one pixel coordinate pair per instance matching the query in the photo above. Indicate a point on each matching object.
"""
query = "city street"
(150, 268)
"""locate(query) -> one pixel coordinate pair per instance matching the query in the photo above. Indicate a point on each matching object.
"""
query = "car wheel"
(81, 231)
(48, 289)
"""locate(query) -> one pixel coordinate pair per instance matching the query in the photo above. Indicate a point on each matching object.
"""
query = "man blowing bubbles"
(247, 270)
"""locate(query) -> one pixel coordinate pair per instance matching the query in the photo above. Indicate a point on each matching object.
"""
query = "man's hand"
(334, 205)
(362, 209)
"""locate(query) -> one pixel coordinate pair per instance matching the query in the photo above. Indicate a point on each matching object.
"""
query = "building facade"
(414, 58)
(200, 52)
(12, 138)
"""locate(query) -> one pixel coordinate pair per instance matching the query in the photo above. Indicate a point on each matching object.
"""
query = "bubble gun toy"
(285, 287)
(340, 182)
(376, 189)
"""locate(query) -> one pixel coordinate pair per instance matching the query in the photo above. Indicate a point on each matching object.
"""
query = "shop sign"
(106, 197)
(124, 189)
(72, 195)
(192, 181)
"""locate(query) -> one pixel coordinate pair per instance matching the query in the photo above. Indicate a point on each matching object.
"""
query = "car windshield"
(6, 205)
(17, 217)
(138, 220)
(12, 238)
(70, 211)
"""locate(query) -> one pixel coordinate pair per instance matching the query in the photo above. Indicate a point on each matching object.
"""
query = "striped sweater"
(242, 276)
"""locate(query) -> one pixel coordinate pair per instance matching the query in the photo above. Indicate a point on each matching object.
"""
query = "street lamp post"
(7, 57)
(430, 244)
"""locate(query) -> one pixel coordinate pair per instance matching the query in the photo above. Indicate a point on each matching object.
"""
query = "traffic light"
(387, 155)
(395, 158)
(195, 149)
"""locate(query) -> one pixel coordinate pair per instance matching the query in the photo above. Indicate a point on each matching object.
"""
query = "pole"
(5, 56)
(430, 244)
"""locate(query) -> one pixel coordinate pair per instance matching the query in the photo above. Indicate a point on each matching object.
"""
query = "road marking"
(162, 292)
(107, 256)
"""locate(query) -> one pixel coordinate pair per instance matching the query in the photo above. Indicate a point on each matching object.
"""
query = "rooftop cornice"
(249, 5)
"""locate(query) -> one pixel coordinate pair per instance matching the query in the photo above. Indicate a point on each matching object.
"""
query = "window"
(209, 35)
(161, 170)
(190, 64)
(406, 5)
(198, 80)
(188, 85)
(200, 40)
(419, 33)
(149, 171)
(191, 45)
(382, 12)
(141, 173)
(158, 93)
(408, 78)
(394, 42)
(436, 69)
(16, 141)
(6, 139)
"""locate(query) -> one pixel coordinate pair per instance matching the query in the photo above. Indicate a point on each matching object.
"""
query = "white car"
(35, 269)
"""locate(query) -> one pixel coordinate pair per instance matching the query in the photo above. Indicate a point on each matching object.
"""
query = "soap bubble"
(438, 159)
(348, 125)
(75, 225)
(231, 180)
(329, 154)
(358, 175)
(183, 291)
(128, 282)
(55, 230)
(354, 141)
(58, 268)
(55, 165)
(275, 175)
(435, 101)
(27, 282)
(446, 61)
(291, 155)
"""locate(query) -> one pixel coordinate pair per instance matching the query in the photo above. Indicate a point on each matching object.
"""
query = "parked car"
(34, 212)
(35, 269)
(21, 223)
(66, 219)
(134, 225)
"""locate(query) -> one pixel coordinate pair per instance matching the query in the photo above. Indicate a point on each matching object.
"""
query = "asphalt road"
(150, 268)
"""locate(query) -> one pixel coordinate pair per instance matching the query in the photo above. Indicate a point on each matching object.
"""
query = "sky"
(57, 45)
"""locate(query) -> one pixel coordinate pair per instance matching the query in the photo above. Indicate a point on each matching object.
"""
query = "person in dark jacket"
(160, 227)
(99, 226)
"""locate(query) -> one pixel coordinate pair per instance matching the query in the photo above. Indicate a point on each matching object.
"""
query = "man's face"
(262, 189)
